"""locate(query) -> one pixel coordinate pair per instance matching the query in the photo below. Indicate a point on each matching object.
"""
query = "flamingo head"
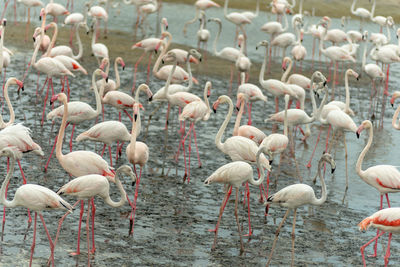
(217, 20)
(328, 159)
(121, 61)
(395, 95)
(60, 97)
(208, 86)
(215, 105)
(364, 125)
(240, 40)
(398, 33)
(128, 171)
(169, 57)
(104, 61)
(20, 85)
(4, 22)
(10, 152)
(262, 43)
(136, 108)
(194, 56)
(42, 13)
(285, 61)
(241, 98)
(355, 74)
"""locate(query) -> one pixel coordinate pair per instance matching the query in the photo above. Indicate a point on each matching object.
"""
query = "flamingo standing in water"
(111, 85)
(236, 18)
(136, 153)
(78, 112)
(386, 220)
(201, 5)
(234, 174)
(74, 19)
(34, 197)
(99, 50)
(86, 188)
(385, 178)
(296, 195)
(30, 4)
(361, 12)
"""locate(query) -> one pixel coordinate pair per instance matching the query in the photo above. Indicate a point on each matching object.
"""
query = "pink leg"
(126, 112)
(134, 73)
(387, 199)
(315, 147)
(167, 116)
(24, 182)
(69, 90)
(377, 233)
(133, 212)
(148, 69)
(387, 255)
(197, 149)
(190, 151)
(51, 244)
(72, 136)
(119, 116)
(249, 111)
(276, 104)
(61, 221)
(34, 240)
(109, 152)
(92, 251)
(51, 154)
(52, 91)
(230, 82)
(104, 149)
(366, 244)
(248, 208)
(45, 102)
(184, 152)
(78, 250)
(4, 211)
(87, 232)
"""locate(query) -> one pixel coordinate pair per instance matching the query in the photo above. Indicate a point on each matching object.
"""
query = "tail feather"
(365, 224)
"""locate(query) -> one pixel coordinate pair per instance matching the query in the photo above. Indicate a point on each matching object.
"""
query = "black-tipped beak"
(107, 79)
(266, 209)
(215, 111)
(150, 98)
(333, 170)
(40, 18)
(358, 135)
(270, 161)
(87, 33)
(34, 39)
(4, 22)
(391, 104)
(166, 27)
(135, 117)
(51, 102)
(325, 82)
(123, 67)
(358, 78)
(155, 51)
(237, 108)
(22, 88)
(162, 61)
(133, 183)
(200, 59)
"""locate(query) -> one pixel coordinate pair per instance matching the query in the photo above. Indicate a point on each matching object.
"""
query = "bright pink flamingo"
(107, 132)
(238, 148)
(234, 174)
(78, 112)
(194, 112)
(296, 195)
(31, 196)
(86, 188)
(136, 153)
(149, 46)
(386, 220)
(385, 178)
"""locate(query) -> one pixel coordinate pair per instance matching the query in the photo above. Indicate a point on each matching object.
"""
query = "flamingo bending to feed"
(296, 195)
(136, 153)
(247, 131)
(385, 178)
(34, 197)
(286, 39)
(234, 174)
(200, 5)
(86, 188)
(10, 81)
(386, 220)
(78, 112)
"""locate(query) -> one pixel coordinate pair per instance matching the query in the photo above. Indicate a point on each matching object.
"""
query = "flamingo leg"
(126, 112)
(377, 233)
(230, 82)
(248, 208)
(315, 148)
(387, 255)
(293, 234)
(249, 111)
(148, 69)
(45, 101)
(197, 149)
(276, 236)
(87, 231)
(221, 210)
(72, 135)
(347, 172)
(104, 149)
(51, 244)
(109, 152)
(4, 212)
(24, 182)
(93, 214)
(133, 212)
(237, 220)
(135, 71)
(366, 244)
(184, 152)
(34, 240)
(190, 150)
(51, 154)
(78, 251)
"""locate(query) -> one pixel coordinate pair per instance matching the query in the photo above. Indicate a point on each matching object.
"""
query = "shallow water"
(173, 217)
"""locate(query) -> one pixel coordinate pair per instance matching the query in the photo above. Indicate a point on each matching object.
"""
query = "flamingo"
(361, 12)
(395, 124)
(236, 18)
(242, 63)
(195, 111)
(286, 39)
(136, 153)
(75, 19)
(385, 178)
(386, 220)
(99, 50)
(78, 163)
(30, 4)
(202, 34)
(149, 46)
(10, 81)
(250, 15)
(98, 13)
(247, 131)
(380, 38)
(32, 196)
(296, 195)
(148, 9)
(299, 52)
(78, 112)
(252, 91)
(234, 174)
(86, 187)
(200, 5)
(335, 36)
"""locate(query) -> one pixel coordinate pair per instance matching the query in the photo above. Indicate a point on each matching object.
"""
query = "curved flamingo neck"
(285, 119)
(353, 7)
(4, 201)
(10, 108)
(261, 76)
(323, 197)
(395, 123)
(117, 78)
(226, 9)
(287, 71)
(97, 94)
(260, 168)
(364, 60)
(286, 22)
(167, 84)
(132, 145)
(373, 9)
(53, 38)
(238, 119)
(359, 171)
(346, 84)
(221, 130)
(107, 199)
(1, 48)
(164, 51)
(321, 42)
(189, 69)
(217, 38)
(80, 47)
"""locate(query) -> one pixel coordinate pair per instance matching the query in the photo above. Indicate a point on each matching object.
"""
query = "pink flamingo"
(200, 5)
(195, 111)
(247, 131)
(78, 112)
(361, 12)
(99, 50)
(86, 188)
(385, 178)
(296, 195)
(98, 13)
(299, 52)
(386, 220)
(78, 163)
(252, 91)
(34, 197)
(74, 19)
(238, 148)
(107, 132)
(30, 4)
(111, 85)
(55, 10)
(10, 81)
(136, 153)
(236, 18)
(234, 174)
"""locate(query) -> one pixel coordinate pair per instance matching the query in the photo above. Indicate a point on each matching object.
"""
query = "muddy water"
(173, 217)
